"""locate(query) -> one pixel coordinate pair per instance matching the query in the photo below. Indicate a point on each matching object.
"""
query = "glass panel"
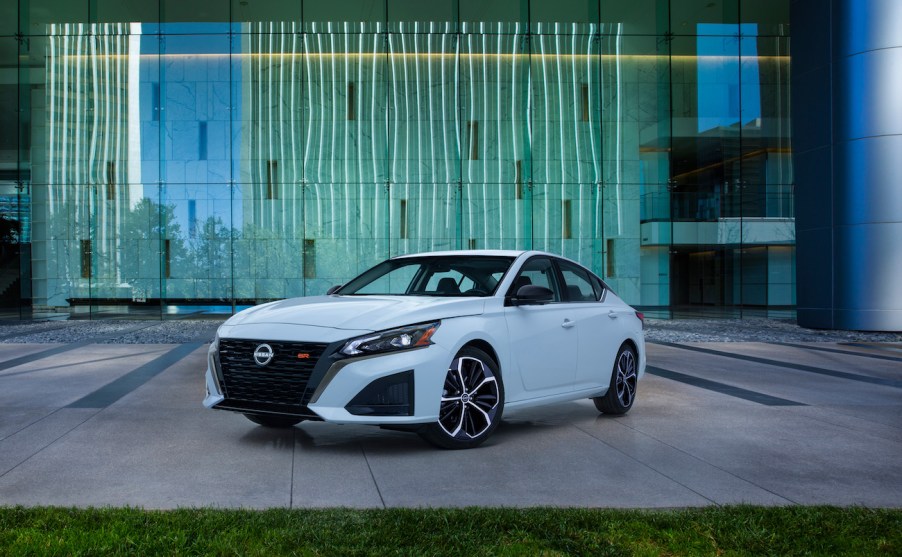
(704, 17)
(498, 16)
(566, 124)
(563, 16)
(635, 201)
(344, 16)
(267, 11)
(416, 16)
(196, 261)
(424, 217)
(269, 244)
(195, 105)
(126, 245)
(766, 144)
(698, 275)
(37, 16)
(564, 221)
(636, 17)
(346, 111)
(424, 120)
(345, 232)
(770, 16)
(15, 194)
(9, 106)
(496, 216)
(92, 108)
(195, 17)
(267, 113)
(706, 123)
(117, 11)
(9, 19)
(494, 100)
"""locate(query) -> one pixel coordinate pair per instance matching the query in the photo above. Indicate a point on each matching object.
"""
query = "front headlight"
(403, 338)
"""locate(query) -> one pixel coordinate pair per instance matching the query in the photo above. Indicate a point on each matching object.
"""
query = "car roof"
(477, 253)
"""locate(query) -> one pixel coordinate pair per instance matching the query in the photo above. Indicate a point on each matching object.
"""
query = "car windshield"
(447, 275)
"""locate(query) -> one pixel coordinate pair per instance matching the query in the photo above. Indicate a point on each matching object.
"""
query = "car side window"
(540, 272)
(600, 287)
(577, 283)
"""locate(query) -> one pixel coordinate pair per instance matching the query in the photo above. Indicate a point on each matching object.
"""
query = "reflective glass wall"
(173, 157)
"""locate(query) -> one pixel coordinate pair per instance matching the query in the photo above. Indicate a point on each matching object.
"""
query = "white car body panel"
(545, 353)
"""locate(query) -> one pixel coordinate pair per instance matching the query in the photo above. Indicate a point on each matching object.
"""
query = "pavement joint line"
(28, 425)
(646, 465)
(840, 411)
(45, 447)
(711, 464)
(722, 388)
(787, 365)
(837, 351)
(125, 384)
(372, 475)
(21, 360)
(885, 348)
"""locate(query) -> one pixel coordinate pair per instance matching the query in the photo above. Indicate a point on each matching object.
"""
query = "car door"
(543, 342)
(597, 326)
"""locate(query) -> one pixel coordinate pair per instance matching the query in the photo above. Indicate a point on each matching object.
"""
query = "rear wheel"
(472, 402)
(622, 391)
(272, 420)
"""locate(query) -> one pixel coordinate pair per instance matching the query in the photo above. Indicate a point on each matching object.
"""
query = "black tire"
(472, 402)
(622, 391)
(272, 420)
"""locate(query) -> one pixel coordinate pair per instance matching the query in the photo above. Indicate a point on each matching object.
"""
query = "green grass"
(737, 530)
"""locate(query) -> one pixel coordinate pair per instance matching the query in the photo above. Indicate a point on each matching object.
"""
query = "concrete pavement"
(714, 423)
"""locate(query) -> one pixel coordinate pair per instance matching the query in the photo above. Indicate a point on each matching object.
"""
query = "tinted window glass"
(540, 272)
(431, 276)
(577, 283)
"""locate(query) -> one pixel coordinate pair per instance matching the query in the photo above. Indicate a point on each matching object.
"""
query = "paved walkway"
(715, 423)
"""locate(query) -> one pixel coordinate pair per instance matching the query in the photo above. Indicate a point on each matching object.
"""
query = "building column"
(847, 153)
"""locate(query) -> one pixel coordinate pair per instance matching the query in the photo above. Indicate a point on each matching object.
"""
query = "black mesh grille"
(283, 381)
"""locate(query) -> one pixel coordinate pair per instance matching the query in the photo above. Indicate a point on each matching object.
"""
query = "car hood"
(369, 313)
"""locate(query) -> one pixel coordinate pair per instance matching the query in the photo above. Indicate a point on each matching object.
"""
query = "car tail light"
(641, 317)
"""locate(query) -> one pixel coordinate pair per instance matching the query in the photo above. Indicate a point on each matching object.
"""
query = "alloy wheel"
(469, 399)
(626, 378)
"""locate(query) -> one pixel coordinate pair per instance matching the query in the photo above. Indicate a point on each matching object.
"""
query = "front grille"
(283, 381)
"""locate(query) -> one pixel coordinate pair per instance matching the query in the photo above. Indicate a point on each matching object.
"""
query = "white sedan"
(437, 343)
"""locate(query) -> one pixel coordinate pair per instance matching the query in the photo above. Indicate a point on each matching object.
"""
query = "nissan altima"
(435, 343)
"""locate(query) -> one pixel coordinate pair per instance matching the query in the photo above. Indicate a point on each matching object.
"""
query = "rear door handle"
(567, 323)
(613, 314)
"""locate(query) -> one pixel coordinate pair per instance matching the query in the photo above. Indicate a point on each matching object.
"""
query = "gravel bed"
(111, 332)
(201, 330)
(751, 330)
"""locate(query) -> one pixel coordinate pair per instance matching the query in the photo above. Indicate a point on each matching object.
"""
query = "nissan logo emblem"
(263, 354)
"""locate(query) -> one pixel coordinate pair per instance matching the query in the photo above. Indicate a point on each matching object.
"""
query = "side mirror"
(333, 289)
(532, 295)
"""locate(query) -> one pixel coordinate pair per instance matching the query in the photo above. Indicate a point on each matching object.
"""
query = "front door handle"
(613, 314)
(567, 323)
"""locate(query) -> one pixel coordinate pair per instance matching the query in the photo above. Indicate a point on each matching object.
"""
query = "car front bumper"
(396, 388)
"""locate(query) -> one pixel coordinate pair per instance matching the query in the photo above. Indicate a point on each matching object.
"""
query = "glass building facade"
(168, 157)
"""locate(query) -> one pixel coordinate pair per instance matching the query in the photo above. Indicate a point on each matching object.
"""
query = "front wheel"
(471, 404)
(622, 391)
(272, 420)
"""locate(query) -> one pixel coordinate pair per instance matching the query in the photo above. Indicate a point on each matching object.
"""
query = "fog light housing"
(387, 396)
